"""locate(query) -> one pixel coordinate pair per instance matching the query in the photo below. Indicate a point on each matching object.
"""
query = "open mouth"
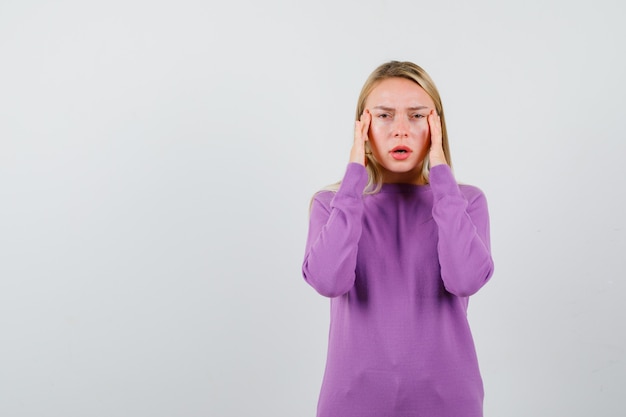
(401, 153)
(401, 150)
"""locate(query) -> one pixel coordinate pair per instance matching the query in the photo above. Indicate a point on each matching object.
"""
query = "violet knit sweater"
(399, 267)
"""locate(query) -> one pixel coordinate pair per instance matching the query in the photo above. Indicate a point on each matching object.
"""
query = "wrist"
(437, 160)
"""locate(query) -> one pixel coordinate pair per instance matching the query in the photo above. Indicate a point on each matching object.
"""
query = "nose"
(400, 128)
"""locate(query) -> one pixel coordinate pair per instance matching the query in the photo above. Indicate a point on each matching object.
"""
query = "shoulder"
(471, 192)
(324, 197)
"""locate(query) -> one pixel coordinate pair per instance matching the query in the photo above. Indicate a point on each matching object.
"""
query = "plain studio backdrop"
(156, 164)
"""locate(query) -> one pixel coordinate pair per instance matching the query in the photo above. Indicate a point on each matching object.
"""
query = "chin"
(410, 174)
(401, 167)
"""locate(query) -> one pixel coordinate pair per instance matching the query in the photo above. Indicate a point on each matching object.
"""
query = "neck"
(410, 177)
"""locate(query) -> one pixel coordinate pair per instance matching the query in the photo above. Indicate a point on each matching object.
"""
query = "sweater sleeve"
(334, 231)
(463, 226)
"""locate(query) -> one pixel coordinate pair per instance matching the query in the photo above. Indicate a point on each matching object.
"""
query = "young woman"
(399, 247)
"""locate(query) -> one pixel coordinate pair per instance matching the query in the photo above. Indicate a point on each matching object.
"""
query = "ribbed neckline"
(404, 188)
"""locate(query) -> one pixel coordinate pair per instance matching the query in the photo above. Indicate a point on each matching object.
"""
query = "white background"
(156, 164)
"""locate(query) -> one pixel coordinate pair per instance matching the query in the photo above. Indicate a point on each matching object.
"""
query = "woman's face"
(399, 133)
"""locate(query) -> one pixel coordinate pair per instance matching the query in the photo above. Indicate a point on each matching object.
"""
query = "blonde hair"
(411, 72)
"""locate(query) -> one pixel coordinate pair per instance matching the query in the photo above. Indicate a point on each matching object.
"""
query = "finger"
(357, 132)
(434, 123)
(365, 121)
(357, 153)
(437, 155)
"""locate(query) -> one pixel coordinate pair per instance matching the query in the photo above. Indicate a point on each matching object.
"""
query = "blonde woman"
(398, 248)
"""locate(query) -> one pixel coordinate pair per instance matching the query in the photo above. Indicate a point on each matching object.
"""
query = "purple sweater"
(399, 267)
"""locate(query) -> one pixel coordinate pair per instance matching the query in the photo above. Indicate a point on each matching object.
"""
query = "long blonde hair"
(412, 72)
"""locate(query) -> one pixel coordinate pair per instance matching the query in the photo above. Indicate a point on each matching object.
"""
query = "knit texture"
(399, 267)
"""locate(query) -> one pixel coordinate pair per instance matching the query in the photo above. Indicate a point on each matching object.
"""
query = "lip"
(400, 153)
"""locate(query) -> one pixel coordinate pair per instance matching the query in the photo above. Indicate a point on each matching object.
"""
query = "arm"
(463, 226)
(462, 221)
(334, 232)
(335, 228)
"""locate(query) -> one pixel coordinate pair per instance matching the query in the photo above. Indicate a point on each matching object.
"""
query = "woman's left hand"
(436, 154)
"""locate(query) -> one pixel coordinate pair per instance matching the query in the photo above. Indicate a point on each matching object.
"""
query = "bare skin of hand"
(361, 130)
(436, 154)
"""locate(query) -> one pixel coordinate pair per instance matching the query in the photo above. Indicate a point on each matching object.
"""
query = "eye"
(418, 116)
(384, 115)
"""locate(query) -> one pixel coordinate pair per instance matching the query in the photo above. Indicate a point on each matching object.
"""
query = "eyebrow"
(385, 108)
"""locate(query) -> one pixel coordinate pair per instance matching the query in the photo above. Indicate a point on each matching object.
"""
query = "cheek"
(421, 132)
(376, 133)
(376, 127)
(376, 142)
(421, 128)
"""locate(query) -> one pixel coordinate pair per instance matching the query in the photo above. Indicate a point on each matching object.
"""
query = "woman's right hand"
(361, 130)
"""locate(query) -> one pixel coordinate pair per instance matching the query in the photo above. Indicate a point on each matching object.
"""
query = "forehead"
(398, 93)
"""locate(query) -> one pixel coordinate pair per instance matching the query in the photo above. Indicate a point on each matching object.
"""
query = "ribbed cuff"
(442, 181)
(354, 180)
